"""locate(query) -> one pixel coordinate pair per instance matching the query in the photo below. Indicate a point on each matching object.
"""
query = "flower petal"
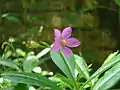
(67, 51)
(57, 34)
(72, 42)
(56, 46)
(66, 33)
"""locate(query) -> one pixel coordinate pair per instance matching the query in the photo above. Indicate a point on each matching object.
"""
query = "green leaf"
(110, 57)
(81, 66)
(31, 79)
(117, 2)
(8, 63)
(45, 44)
(43, 52)
(30, 63)
(64, 81)
(102, 69)
(66, 65)
(7, 54)
(20, 52)
(11, 17)
(32, 88)
(110, 78)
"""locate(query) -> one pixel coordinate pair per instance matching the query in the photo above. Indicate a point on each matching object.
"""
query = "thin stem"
(82, 73)
(75, 83)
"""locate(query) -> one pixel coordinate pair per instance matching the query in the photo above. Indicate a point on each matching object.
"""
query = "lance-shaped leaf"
(31, 79)
(43, 52)
(81, 66)
(9, 63)
(66, 65)
(102, 69)
(110, 78)
(109, 58)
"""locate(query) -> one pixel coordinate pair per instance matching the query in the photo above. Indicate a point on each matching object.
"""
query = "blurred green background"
(95, 23)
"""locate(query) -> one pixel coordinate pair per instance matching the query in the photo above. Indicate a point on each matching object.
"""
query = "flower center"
(63, 42)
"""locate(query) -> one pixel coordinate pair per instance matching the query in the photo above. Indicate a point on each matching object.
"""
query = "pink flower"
(63, 41)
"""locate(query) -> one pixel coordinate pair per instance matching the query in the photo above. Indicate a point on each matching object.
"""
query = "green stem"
(75, 83)
(82, 73)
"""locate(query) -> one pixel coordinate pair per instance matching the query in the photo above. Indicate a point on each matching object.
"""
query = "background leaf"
(30, 63)
(8, 63)
(11, 17)
(7, 54)
(117, 2)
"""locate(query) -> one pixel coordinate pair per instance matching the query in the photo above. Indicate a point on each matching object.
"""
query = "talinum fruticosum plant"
(76, 69)
(76, 72)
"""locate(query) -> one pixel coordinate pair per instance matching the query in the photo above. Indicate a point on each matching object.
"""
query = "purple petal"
(66, 33)
(67, 51)
(56, 46)
(57, 34)
(72, 42)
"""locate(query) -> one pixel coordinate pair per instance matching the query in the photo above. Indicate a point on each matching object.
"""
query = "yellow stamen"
(63, 42)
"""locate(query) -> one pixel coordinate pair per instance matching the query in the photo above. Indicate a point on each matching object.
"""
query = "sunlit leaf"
(37, 70)
(63, 64)
(43, 52)
(110, 78)
(82, 66)
(102, 69)
(109, 58)
(66, 65)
